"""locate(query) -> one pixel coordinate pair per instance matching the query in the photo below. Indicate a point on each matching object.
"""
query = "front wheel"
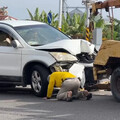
(39, 81)
(115, 84)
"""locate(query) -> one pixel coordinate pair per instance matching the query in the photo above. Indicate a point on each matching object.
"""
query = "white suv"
(30, 51)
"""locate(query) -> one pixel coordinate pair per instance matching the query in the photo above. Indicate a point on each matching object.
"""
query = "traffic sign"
(49, 17)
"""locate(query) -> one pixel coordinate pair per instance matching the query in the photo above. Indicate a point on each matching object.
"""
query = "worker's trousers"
(72, 84)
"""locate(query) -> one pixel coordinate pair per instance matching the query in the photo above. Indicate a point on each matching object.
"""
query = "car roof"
(16, 23)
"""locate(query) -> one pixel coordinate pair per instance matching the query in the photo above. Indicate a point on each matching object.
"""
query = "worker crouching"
(70, 87)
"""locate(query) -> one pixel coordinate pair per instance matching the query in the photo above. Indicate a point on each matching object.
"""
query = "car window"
(5, 39)
(40, 34)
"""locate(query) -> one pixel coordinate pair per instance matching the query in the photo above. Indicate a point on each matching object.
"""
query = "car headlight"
(61, 56)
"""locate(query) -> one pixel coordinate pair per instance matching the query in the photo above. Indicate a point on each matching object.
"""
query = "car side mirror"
(69, 36)
(16, 44)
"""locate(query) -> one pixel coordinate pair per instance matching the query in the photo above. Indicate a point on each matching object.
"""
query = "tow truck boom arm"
(107, 3)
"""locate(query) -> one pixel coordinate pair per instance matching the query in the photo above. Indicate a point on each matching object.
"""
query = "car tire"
(115, 84)
(39, 81)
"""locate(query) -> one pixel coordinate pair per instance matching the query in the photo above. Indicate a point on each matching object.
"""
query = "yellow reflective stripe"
(87, 34)
(59, 29)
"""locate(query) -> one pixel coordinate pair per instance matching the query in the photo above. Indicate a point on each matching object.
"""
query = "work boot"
(89, 96)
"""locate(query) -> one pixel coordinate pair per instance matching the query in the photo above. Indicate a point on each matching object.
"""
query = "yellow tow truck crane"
(107, 61)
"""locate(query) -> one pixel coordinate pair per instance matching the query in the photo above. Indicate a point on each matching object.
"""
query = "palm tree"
(74, 26)
(36, 14)
(117, 28)
(98, 21)
(43, 17)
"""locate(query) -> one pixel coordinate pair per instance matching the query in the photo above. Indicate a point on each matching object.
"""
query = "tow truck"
(107, 61)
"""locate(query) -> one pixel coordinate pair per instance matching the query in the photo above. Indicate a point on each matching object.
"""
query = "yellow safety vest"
(56, 80)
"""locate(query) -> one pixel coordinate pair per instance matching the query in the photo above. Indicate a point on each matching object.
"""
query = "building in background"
(75, 11)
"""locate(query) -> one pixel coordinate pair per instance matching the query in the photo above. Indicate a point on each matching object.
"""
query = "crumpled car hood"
(74, 46)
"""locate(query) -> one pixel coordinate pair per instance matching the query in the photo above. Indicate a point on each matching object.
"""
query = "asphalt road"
(21, 104)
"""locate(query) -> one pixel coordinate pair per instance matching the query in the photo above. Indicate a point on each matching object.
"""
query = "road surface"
(21, 104)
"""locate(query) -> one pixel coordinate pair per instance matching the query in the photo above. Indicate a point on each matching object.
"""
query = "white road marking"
(58, 116)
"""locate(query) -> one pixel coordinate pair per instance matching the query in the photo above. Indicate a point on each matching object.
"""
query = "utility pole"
(62, 10)
(87, 23)
(87, 3)
(64, 6)
(60, 14)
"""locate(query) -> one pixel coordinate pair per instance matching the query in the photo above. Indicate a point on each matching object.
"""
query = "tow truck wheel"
(39, 81)
(115, 84)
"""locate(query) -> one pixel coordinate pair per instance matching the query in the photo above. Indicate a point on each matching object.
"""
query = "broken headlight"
(61, 56)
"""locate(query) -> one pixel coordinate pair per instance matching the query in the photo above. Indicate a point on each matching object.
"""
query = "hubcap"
(36, 81)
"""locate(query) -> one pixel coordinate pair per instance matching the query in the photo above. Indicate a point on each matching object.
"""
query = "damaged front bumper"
(73, 67)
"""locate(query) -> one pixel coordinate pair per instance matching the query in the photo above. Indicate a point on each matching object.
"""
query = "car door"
(10, 57)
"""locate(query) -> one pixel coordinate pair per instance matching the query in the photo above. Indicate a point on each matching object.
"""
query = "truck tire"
(89, 78)
(115, 84)
(39, 81)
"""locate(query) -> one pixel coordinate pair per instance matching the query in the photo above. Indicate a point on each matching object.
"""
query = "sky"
(18, 8)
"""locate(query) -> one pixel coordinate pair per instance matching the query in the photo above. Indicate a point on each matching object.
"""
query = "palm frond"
(30, 14)
(36, 15)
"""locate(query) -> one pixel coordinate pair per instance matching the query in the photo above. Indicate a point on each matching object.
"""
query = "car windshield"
(36, 35)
